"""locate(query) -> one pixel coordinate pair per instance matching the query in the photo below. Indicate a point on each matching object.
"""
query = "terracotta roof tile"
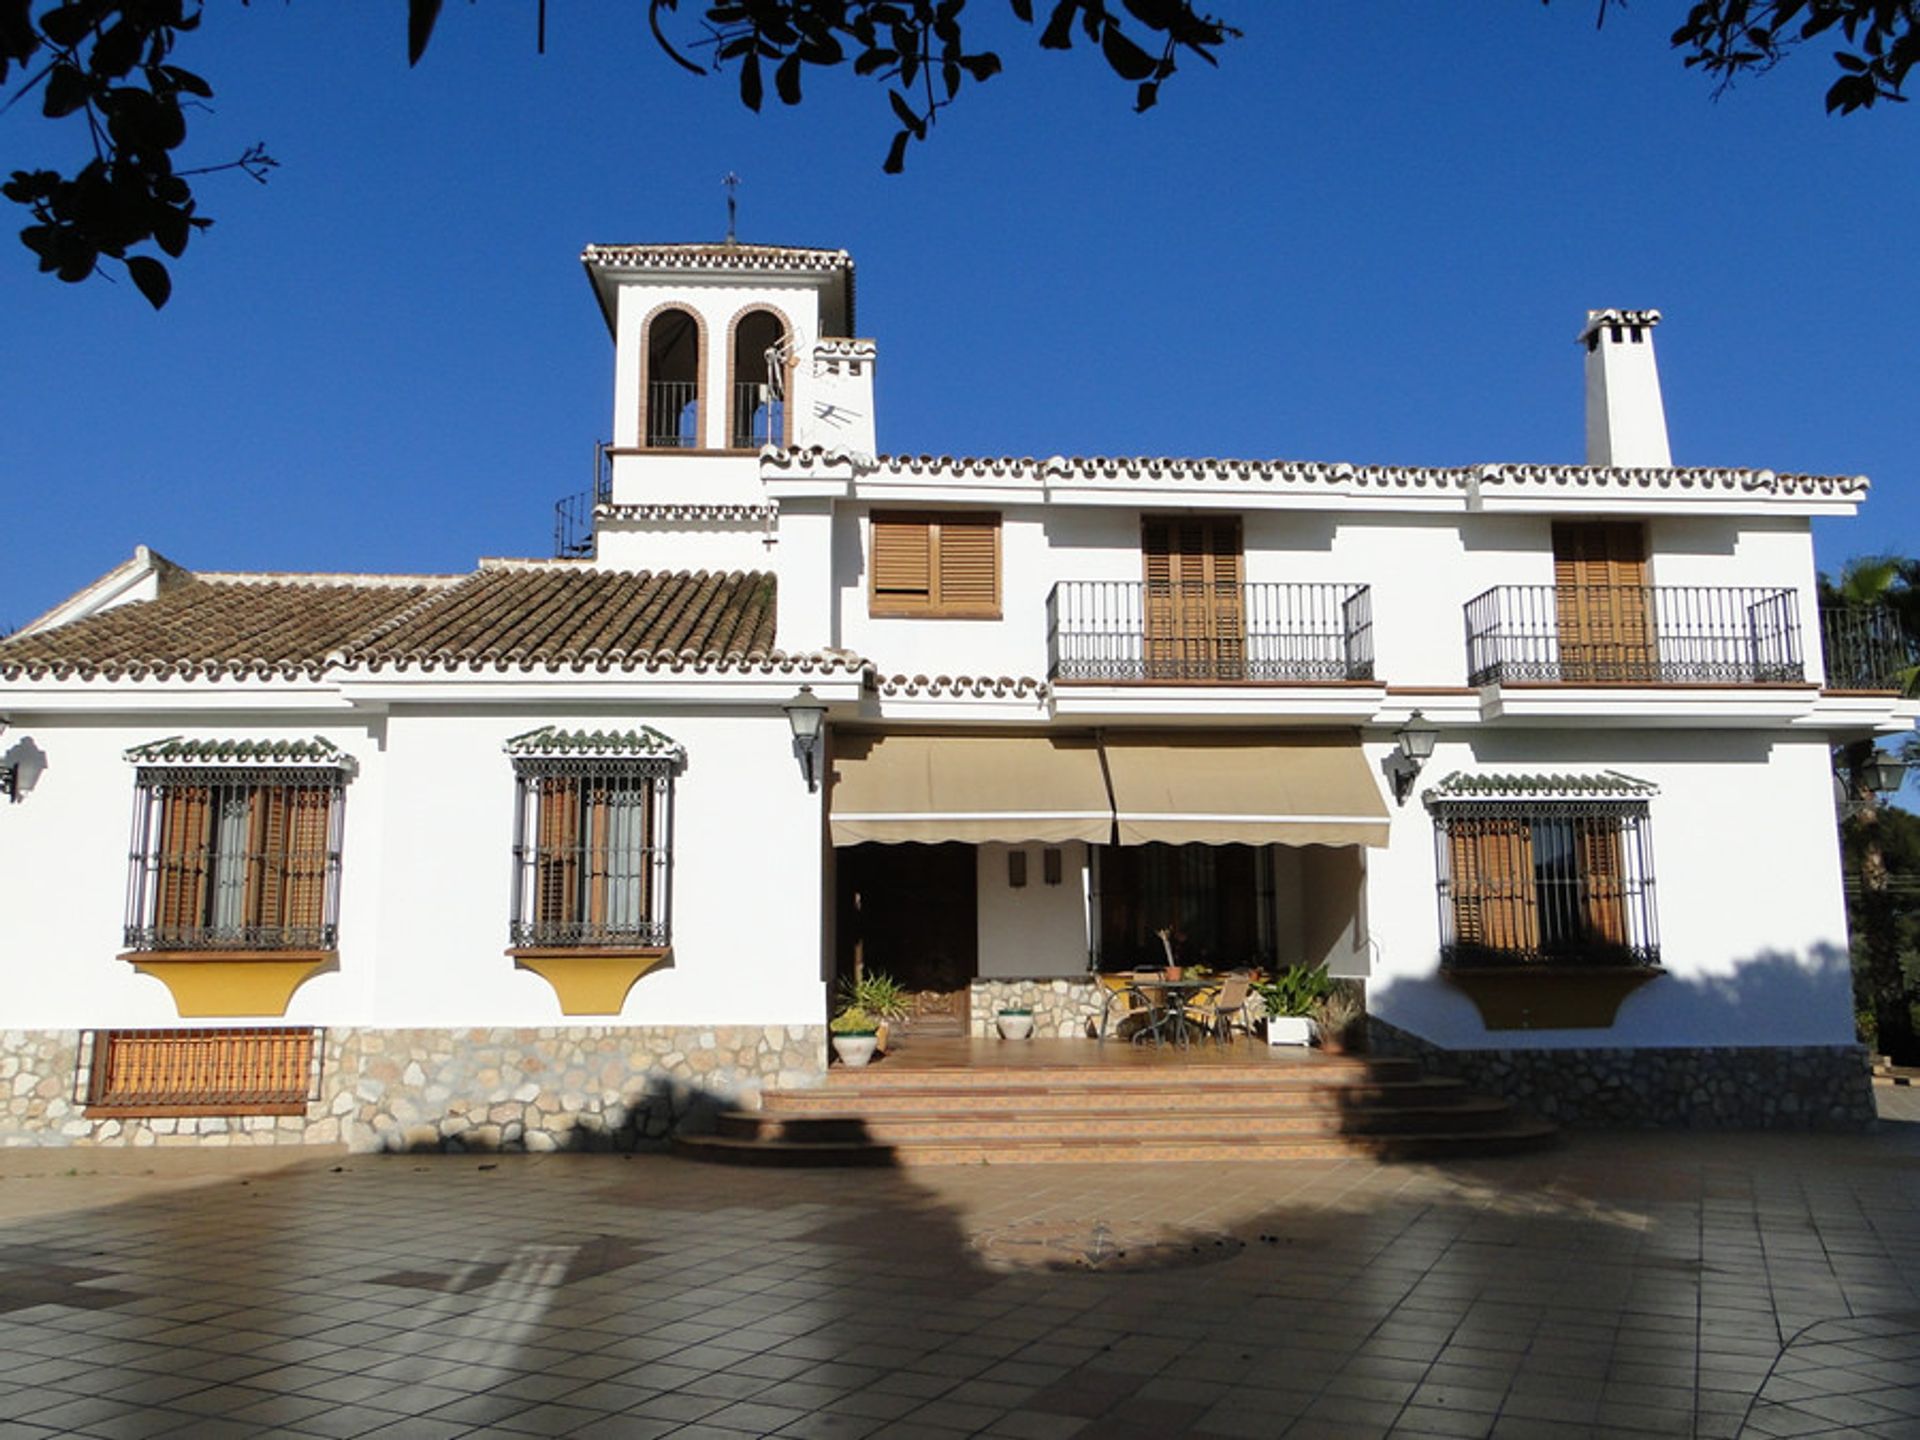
(557, 614)
(269, 626)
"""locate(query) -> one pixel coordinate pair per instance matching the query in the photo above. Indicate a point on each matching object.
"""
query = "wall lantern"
(1885, 773)
(1414, 741)
(806, 713)
(21, 768)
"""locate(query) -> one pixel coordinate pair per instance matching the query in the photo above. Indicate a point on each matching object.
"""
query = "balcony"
(1130, 632)
(1866, 649)
(1634, 635)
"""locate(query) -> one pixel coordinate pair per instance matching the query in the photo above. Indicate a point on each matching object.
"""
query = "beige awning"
(976, 788)
(1219, 788)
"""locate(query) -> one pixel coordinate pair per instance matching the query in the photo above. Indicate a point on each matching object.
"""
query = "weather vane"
(732, 182)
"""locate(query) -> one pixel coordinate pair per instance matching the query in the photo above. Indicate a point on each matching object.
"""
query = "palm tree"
(1880, 585)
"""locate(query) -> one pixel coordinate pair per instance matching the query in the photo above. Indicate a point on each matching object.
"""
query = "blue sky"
(1371, 235)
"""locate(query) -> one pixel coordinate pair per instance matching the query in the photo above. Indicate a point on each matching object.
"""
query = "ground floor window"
(1566, 881)
(593, 846)
(1216, 902)
(255, 1071)
(236, 858)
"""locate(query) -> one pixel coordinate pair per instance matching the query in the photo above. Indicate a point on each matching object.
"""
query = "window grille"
(258, 1071)
(1545, 883)
(593, 851)
(226, 857)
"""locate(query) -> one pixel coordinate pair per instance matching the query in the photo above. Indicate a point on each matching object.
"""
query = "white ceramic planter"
(1015, 1027)
(854, 1049)
(1289, 1030)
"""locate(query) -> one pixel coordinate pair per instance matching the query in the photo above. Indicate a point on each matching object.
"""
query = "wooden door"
(1195, 616)
(911, 911)
(1602, 604)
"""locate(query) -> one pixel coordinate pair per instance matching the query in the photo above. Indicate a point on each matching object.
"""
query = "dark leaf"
(152, 278)
(907, 115)
(117, 51)
(983, 66)
(752, 90)
(67, 91)
(786, 80)
(67, 26)
(1023, 10)
(1059, 32)
(897, 153)
(1147, 96)
(869, 61)
(188, 81)
(421, 18)
(1126, 59)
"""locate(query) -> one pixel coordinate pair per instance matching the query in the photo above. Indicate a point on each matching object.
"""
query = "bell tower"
(719, 351)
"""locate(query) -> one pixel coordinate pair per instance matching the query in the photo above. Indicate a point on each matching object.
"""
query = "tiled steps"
(1031, 1115)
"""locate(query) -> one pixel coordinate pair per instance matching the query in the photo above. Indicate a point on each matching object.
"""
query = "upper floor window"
(759, 409)
(1545, 870)
(593, 838)
(943, 564)
(236, 846)
(671, 382)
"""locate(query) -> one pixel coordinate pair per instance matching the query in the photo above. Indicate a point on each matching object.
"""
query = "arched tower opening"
(759, 407)
(672, 380)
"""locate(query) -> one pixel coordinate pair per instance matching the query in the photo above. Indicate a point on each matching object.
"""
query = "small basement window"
(157, 1073)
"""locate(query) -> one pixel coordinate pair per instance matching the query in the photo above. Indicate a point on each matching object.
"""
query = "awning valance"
(1217, 788)
(973, 788)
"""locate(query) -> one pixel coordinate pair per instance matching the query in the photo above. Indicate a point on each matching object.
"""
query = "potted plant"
(880, 995)
(852, 1031)
(1340, 1016)
(1016, 1022)
(1288, 997)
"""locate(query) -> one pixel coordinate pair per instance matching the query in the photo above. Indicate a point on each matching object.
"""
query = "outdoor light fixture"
(1885, 773)
(20, 769)
(1415, 741)
(806, 713)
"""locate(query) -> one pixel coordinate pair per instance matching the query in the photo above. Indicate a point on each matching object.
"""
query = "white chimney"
(1626, 423)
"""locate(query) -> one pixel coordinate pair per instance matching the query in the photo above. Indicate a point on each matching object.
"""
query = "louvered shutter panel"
(1601, 600)
(902, 561)
(1506, 867)
(185, 839)
(309, 843)
(558, 857)
(1227, 620)
(968, 547)
(1156, 547)
(1602, 879)
(598, 819)
(1464, 883)
(268, 856)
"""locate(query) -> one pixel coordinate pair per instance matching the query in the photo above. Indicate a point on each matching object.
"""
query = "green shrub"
(1295, 990)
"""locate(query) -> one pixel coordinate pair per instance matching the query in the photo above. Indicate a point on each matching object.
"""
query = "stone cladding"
(1758, 1087)
(1063, 1007)
(590, 1087)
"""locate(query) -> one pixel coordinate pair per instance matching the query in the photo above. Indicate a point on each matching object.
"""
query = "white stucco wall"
(1747, 877)
(425, 875)
(1038, 929)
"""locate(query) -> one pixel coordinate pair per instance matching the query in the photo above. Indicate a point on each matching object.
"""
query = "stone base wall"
(595, 1087)
(1062, 1006)
(1785, 1087)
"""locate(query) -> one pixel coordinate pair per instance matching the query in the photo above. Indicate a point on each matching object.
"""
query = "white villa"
(537, 856)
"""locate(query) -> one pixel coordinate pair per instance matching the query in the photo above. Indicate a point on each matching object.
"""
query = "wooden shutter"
(598, 858)
(201, 1072)
(266, 862)
(1601, 600)
(1491, 882)
(186, 841)
(967, 572)
(1603, 883)
(557, 853)
(308, 854)
(902, 561)
(935, 564)
(1195, 617)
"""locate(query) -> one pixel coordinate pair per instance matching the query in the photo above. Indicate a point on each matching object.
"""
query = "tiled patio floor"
(1621, 1285)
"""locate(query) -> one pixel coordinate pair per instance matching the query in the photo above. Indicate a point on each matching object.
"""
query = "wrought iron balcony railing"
(759, 416)
(673, 410)
(1866, 648)
(1634, 634)
(1122, 630)
(573, 514)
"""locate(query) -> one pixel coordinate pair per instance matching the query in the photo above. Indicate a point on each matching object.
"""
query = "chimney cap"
(1616, 319)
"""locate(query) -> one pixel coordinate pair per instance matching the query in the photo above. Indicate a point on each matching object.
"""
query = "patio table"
(1167, 1006)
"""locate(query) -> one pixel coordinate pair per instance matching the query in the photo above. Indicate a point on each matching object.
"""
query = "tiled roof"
(261, 626)
(556, 614)
(1602, 785)
(725, 256)
(520, 615)
(177, 751)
